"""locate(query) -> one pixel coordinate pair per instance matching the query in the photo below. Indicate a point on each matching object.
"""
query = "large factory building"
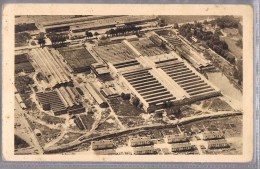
(163, 79)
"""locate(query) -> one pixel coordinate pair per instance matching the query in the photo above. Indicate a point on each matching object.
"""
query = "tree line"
(226, 22)
(212, 40)
(90, 34)
(123, 30)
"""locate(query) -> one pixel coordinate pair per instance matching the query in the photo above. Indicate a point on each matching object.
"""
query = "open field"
(220, 105)
(22, 85)
(25, 27)
(230, 126)
(21, 39)
(68, 137)
(147, 48)
(124, 108)
(109, 124)
(131, 121)
(52, 119)
(78, 58)
(20, 143)
(114, 53)
(22, 63)
(47, 134)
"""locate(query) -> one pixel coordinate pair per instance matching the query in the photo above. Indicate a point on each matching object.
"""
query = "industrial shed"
(60, 101)
(50, 67)
(140, 141)
(51, 101)
(101, 71)
(211, 135)
(109, 92)
(102, 144)
(177, 138)
(162, 79)
(215, 144)
(144, 150)
(96, 95)
(178, 147)
(70, 98)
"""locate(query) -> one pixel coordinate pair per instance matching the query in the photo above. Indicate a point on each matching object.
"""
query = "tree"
(41, 39)
(139, 28)
(123, 95)
(96, 34)
(239, 43)
(41, 42)
(113, 32)
(57, 39)
(33, 43)
(127, 96)
(88, 34)
(238, 71)
(231, 59)
(107, 33)
(136, 101)
(168, 104)
(140, 105)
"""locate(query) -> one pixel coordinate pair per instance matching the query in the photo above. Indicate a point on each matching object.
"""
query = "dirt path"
(130, 130)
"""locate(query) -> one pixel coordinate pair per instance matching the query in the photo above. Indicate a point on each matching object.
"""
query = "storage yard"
(136, 92)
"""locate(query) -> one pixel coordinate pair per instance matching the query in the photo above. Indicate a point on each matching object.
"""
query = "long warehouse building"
(51, 67)
(161, 79)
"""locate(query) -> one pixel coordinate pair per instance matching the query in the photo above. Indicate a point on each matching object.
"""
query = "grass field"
(147, 48)
(78, 58)
(109, 124)
(21, 39)
(22, 64)
(52, 119)
(25, 27)
(124, 108)
(114, 53)
(68, 137)
(220, 105)
(19, 142)
(47, 134)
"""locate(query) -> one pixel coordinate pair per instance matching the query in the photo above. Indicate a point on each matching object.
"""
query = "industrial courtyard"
(128, 85)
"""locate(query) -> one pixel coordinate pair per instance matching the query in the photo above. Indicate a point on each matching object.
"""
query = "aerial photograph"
(128, 85)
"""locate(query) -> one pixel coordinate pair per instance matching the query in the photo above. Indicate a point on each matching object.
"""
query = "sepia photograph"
(130, 85)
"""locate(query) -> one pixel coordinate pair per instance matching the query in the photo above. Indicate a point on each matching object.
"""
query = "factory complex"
(119, 84)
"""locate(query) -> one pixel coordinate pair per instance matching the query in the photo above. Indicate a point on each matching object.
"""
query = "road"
(23, 120)
(130, 130)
